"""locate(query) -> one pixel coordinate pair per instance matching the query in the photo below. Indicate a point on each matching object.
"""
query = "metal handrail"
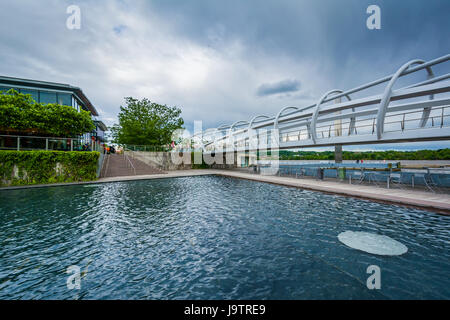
(400, 93)
(344, 123)
(129, 161)
(106, 166)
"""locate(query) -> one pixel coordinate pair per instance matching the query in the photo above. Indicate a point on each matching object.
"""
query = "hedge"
(42, 167)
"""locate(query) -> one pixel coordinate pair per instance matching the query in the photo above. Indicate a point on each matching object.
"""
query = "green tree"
(142, 122)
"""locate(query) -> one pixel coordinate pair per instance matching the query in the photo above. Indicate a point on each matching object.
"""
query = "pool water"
(212, 237)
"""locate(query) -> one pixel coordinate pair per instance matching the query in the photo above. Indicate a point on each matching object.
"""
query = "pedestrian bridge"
(419, 111)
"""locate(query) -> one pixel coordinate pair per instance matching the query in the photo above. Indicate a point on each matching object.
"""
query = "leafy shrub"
(40, 167)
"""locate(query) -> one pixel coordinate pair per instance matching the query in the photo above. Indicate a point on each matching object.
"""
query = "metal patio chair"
(371, 177)
(427, 179)
(394, 179)
(360, 176)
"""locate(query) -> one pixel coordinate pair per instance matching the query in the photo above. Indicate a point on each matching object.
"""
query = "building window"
(34, 94)
(47, 97)
(4, 89)
(64, 99)
(77, 106)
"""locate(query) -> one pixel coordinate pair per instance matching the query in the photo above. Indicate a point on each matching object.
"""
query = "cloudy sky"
(219, 61)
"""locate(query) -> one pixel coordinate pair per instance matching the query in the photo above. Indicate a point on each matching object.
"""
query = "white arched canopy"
(315, 115)
(260, 116)
(277, 118)
(387, 97)
(240, 122)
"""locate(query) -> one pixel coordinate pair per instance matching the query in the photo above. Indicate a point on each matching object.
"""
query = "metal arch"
(219, 129)
(230, 134)
(236, 123)
(224, 126)
(250, 125)
(275, 124)
(317, 109)
(209, 131)
(427, 110)
(352, 124)
(388, 92)
(256, 117)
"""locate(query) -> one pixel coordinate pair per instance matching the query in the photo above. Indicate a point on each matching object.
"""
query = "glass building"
(64, 94)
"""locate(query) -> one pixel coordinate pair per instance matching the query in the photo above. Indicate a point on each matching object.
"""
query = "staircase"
(119, 165)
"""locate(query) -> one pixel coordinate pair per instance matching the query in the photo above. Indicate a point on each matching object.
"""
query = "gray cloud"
(207, 57)
(283, 86)
(119, 29)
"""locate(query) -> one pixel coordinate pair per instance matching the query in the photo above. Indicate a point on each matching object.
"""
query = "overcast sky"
(219, 61)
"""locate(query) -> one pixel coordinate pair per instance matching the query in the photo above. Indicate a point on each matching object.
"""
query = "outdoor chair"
(371, 177)
(394, 179)
(427, 179)
(300, 172)
(357, 176)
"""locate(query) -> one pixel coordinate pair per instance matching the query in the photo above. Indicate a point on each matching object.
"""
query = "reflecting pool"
(211, 237)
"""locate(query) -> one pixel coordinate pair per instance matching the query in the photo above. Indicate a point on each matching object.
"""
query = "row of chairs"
(396, 179)
(393, 179)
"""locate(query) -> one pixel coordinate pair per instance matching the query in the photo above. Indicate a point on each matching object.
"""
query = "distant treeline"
(441, 154)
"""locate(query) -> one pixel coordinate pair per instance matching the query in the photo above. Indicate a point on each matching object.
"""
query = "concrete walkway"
(416, 198)
(116, 165)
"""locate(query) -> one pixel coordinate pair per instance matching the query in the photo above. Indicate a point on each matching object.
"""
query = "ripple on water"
(211, 238)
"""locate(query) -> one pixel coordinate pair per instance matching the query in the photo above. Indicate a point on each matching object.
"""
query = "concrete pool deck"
(416, 198)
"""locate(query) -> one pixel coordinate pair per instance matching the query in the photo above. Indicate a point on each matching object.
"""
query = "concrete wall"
(165, 160)
(161, 160)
